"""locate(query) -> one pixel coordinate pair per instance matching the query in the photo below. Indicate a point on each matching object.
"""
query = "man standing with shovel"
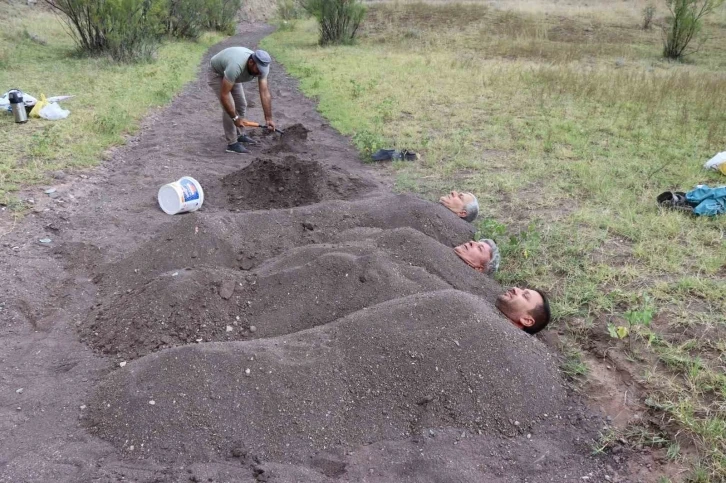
(228, 70)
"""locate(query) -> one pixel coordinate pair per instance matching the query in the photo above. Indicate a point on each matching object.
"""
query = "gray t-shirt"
(232, 64)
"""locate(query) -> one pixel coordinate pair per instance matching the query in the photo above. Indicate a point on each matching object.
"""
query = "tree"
(685, 24)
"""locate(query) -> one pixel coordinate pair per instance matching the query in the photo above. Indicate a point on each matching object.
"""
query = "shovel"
(257, 124)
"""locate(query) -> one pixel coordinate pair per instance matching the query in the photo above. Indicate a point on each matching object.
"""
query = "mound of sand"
(202, 305)
(437, 360)
(271, 183)
(190, 241)
(293, 141)
(265, 234)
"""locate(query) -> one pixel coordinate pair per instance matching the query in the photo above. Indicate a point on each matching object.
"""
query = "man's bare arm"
(225, 96)
(266, 100)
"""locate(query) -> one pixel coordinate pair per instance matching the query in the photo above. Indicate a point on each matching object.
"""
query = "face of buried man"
(476, 254)
(456, 202)
(517, 304)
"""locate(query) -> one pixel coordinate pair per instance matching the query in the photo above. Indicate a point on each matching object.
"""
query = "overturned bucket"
(181, 196)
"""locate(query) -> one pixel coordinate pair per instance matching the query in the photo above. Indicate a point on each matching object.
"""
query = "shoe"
(383, 155)
(243, 138)
(237, 148)
(674, 200)
(392, 154)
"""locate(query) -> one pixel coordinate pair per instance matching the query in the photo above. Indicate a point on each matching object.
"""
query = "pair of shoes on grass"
(238, 147)
(675, 200)
(393, 154)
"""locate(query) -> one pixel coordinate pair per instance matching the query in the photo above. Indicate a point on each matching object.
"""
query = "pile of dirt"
(265, 234)
(269, 183)
(293, 141)
(302, 288)
(203, 305)
(436, 360)
(189, 241)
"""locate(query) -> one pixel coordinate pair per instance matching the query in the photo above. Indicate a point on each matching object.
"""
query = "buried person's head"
(465, 205)
(482, 256)
(528, 309)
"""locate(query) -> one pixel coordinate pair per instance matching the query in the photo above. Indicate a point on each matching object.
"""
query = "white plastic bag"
(53, 112)
(717, 160)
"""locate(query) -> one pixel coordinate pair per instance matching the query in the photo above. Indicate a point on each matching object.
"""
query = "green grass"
(110, 98)
(567, 128)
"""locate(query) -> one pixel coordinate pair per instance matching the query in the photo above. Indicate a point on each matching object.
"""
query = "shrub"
(648, 13)
(221, 15)
(684, 24)
(120, 28)
(188, 18)
(289, 9)
(182, 18)
(339, 19)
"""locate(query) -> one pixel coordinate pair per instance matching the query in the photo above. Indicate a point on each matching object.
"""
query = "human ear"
(462, 214)
(526, 320)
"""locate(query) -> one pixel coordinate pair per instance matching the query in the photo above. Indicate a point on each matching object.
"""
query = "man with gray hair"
(482, 256)
(227, 71)
(465, 205)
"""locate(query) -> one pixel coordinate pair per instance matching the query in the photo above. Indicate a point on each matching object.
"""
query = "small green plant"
(641, 317)
(367, 142)
(338, 19)
(638, 321)
(618, 332)
(572, 365)
(491, 228)
(685, 24)
(648, 13)
(674, 450)
(357, 89)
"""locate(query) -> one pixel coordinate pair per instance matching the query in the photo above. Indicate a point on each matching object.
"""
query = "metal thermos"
(17, 105)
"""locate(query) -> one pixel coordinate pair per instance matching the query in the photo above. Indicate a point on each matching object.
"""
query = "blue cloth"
(707, 201)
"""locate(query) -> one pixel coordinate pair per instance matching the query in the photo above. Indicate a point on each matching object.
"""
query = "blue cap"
(263, 60)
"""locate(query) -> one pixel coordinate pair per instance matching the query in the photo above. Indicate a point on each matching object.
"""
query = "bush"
(648, 13)
(120, 28)
(289, 9)
(339, 19)
(181, 18)
(221, 15)
(684, 24)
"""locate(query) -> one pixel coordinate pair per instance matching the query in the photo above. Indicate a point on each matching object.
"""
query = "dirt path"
(331, 335)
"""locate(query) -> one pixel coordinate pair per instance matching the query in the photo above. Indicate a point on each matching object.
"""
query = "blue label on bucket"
(189, 189)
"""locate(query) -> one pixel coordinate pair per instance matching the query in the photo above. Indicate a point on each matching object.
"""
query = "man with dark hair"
(528, 309)
(227, 71)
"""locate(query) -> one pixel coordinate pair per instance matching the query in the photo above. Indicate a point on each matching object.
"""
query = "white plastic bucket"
(185, 194)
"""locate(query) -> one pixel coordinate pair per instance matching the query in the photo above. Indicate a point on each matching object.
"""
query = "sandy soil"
(305, 325)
